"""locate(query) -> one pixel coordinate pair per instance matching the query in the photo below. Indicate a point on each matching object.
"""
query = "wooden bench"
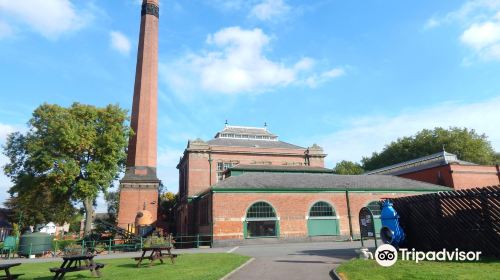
(156, 254)
(74, 263)
(6, 267)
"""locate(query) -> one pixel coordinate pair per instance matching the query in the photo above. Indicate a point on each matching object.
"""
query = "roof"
(262, 181)
(245, 130)
(252, 143)
(280, 168)
(430, 161)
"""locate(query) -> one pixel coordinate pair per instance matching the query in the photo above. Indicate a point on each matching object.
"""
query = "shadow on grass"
(66, 276)
(143, 265)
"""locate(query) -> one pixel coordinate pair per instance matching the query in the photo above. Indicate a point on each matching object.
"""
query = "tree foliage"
(465, 143)
(67, 155)
(168, 200)
(348, 168)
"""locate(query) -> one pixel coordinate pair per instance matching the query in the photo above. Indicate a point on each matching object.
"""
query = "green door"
(377, 222)
(319, 227)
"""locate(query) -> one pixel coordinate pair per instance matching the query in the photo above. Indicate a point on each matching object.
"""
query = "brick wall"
(458, 176)
(230, 209)
(133, 200)
(472, 176)
(440, 175)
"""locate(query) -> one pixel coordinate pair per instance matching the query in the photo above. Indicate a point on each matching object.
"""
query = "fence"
(105, 246)
(4, 232)
(466, 219)
(193, 241)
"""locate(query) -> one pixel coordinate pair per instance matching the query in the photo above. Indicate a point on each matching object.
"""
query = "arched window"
(261, 221)
(321, 209)
(322, 220)
(375, 207)
(260, 210)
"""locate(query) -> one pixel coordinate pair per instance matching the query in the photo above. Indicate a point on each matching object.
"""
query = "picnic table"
(156, 254)
(74, 263)
(6, 267)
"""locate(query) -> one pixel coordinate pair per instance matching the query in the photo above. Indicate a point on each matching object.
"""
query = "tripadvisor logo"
(387, 255)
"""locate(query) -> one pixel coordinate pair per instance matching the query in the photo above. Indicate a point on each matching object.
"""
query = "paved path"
(294, 260)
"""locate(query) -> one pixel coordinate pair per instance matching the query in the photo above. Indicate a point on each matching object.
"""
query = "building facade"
(444, 169)
(278, 205)
(246, 186)
(204, 163)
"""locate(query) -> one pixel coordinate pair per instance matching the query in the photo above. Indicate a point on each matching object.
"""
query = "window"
(219, 166)
(260, 210)
(321, 209)
(261, 221)
(223, 166)
(375, 207)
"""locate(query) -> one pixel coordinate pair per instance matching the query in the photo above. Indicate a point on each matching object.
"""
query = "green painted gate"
(378, 225)
(319, 227)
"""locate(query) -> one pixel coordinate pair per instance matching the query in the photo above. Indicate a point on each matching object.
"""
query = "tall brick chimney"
(139, 186)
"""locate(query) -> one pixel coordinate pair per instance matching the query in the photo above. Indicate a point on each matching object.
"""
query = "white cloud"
(49, 18)
(5, 130)
(238, 65)
(481, 35)
(363, 136)
(269, 9)
(315, 80)
(480, 20)
(119, 42)
(431, 23)
(484, 38)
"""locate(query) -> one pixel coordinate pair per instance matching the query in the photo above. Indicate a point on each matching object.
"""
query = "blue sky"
(349, 75)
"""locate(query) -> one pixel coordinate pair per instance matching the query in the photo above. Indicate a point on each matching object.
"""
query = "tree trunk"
(89, 215)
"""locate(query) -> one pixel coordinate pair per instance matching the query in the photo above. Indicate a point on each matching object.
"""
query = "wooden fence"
(467, 220)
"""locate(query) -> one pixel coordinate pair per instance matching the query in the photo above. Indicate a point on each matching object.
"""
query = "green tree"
(70, 154)
(348, 168)
(33, 202)
(168, 200)
(113, 203)
(465, 143)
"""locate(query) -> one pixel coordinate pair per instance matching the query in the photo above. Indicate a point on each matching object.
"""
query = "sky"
(351, 76)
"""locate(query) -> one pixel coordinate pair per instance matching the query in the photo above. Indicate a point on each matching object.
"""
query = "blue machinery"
(391, 232)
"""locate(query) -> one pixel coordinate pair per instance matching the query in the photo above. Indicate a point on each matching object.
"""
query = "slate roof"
(245, 130)
(283, 168)
(251, 143)
(261, 181)
(430, 161)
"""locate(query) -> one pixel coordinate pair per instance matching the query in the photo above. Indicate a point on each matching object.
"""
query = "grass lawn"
(187, 266)
(368, 269)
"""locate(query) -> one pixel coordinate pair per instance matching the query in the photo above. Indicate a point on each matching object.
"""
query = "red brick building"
(204, 163)
(444, 169)
(273, 191)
